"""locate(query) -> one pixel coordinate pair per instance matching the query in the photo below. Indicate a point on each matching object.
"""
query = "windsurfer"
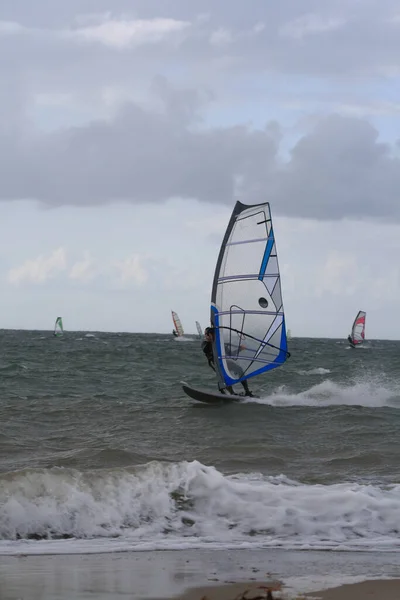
(175, 333)
(207, 348)
(350, 341)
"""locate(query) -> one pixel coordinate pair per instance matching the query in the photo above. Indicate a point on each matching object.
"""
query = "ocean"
(101, 451)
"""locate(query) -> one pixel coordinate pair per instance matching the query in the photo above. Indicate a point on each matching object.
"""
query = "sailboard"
(58, 327)
(246, 300)
(210, 397)
(199, 329)
(177, 324)
(357, 335)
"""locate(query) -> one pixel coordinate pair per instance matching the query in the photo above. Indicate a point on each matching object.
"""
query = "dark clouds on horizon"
(338, 169)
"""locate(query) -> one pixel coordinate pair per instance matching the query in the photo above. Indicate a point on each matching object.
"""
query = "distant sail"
(58, 327)
(246, 300)
(199, 329)
(177, 323)
(289, 334)
(358, 330)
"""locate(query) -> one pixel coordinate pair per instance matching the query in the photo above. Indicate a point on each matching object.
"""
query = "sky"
(128, 130)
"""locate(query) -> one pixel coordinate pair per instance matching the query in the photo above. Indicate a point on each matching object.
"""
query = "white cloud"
(340, 275)
(310, 24)
(221, 37)
(368, 109)
(124, 33)
(259, 27)
(40, 269)
(83, 270)
(131, 269)
(10, 28)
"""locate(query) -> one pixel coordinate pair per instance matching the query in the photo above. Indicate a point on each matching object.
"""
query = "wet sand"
(166, 574)
(378, 589)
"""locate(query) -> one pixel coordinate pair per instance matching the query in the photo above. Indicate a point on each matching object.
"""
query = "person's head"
(209, 333)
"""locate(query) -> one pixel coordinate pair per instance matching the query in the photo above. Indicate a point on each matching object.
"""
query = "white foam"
(189, 505)
(316, 371)
(329, 393)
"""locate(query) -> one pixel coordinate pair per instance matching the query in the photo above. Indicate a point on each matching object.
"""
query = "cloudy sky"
(129, 128)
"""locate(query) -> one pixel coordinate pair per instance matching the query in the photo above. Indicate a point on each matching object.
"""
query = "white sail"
(246, 301)
(199, 329)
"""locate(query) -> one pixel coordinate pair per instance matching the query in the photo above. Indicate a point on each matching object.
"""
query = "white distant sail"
(199, 329)
(177, 323)
(246, 300)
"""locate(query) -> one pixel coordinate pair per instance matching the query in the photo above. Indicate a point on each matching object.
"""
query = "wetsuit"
(208, 351)
(207, 348)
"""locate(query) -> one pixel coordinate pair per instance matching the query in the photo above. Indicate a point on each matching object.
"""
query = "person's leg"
(246, 388)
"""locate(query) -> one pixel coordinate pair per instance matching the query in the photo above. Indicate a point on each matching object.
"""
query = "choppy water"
(101, 450)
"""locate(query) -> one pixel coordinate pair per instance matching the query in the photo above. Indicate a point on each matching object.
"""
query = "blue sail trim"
(267, 254)
(277, 362)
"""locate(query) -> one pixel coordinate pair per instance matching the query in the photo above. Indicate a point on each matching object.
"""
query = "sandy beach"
(193, 574)
(377, 589)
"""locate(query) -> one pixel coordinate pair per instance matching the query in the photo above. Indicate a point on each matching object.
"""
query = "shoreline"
(171, 574)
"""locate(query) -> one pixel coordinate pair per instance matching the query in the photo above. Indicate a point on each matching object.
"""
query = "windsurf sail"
(246, 299)
(199, 329)
(358, 329)
(58, 327)
(289, 334)
(177, 323)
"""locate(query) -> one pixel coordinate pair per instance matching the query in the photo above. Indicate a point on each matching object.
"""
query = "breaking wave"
(189, 505)
(329, 393)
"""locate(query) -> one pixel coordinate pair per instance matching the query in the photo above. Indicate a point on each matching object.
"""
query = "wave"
(315, 371)
(329, 393)
(189, 505)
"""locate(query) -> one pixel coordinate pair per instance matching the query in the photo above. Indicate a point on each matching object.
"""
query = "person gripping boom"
(207, 347)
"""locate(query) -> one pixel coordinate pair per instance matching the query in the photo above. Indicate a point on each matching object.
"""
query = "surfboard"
(210, 397)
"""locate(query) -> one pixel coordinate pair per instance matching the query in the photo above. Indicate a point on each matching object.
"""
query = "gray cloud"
(147, 155)
(140, 155)
(39, 53)
(339, 170)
